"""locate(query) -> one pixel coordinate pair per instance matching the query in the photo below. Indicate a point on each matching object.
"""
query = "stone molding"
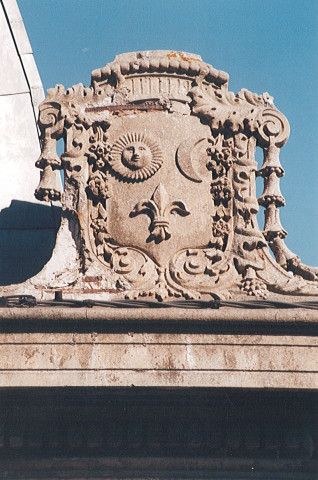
(120, 347)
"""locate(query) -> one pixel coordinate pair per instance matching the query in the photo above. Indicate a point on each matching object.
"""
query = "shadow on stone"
(27, 238)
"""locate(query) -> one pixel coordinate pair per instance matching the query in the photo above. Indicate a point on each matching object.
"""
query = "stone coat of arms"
(159, 170)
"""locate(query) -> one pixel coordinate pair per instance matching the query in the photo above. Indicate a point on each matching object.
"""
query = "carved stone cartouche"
(160, 182)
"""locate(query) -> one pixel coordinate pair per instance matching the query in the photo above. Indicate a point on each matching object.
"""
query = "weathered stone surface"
(159, 194)
(160, 203)
(90, 355)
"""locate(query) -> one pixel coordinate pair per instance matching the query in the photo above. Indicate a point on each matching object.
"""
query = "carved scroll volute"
(51, 127)
(273, 128)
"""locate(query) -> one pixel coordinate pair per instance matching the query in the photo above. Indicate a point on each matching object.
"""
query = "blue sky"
(264, 45)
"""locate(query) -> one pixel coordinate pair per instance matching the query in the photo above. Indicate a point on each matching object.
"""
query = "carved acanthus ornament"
(160, 180)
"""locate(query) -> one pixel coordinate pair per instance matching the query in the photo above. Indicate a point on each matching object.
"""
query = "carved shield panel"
(156, 196)
(154, 205)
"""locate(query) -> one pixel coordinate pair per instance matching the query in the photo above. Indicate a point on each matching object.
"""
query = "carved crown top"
(159, 61)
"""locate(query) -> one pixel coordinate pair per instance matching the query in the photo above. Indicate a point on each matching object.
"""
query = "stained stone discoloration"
(159, 359)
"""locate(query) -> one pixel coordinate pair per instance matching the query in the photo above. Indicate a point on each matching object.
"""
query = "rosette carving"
(99, 148)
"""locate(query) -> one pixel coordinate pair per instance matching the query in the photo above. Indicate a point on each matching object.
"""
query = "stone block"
(160, 360)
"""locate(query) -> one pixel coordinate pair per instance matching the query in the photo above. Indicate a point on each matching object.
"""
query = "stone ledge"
(158, 347)
(295, 321)
(164, 379)
(161, 313)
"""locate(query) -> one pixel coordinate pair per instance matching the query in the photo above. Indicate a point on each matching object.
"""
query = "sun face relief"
(136, 155)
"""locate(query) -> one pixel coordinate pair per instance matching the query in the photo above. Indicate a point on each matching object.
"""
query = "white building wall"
(27, 230)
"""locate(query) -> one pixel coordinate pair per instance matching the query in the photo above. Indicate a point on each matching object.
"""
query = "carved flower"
(219, 154)
(221, 160)
(221, 190)
(99, 149)
(220, 228)
(98, 153)
(97, 186)
(220, 231)
(99, 225)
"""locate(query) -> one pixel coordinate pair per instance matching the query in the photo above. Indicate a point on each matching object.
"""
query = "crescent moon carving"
(184, 160)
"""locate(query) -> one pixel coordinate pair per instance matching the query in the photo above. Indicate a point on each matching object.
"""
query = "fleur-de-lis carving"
(158, 208)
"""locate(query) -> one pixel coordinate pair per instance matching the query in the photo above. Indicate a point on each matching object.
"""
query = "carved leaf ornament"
(160, 171)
